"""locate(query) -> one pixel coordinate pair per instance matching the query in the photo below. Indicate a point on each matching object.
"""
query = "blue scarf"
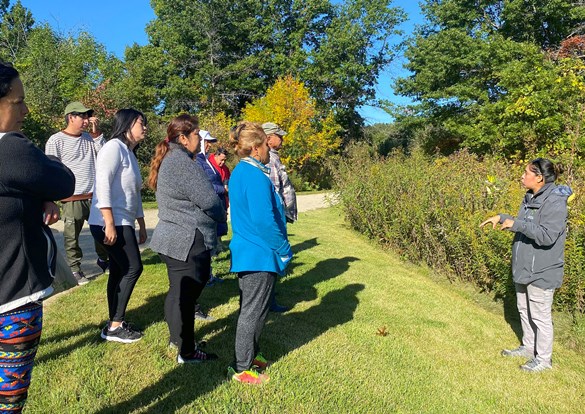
(257, 164)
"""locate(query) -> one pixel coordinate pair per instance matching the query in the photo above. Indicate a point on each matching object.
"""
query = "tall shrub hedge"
(429, 210)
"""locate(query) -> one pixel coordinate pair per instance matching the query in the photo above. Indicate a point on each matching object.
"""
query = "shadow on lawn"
(305, 245)
(511, 313)
(185, 383)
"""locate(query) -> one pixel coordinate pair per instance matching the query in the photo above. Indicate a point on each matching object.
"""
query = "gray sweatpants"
(255, 291)
(535, 308)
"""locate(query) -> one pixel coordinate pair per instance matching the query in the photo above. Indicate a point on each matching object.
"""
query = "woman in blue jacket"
(537, 259)
(260, 248)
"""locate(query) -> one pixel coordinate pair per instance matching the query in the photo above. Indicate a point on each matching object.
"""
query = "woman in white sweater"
(115, 207)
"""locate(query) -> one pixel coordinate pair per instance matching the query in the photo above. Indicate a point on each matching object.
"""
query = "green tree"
(15, 25)
(234, 50)
(483, 73)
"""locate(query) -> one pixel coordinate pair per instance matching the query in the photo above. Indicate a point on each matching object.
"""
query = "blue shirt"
(259, 242)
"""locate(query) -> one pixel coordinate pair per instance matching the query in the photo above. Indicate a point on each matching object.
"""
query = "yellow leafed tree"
(218, 125)
(311, 135)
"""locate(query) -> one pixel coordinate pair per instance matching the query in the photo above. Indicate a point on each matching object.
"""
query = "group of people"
(99, 181)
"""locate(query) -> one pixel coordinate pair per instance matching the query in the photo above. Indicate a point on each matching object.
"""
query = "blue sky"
(120, 23)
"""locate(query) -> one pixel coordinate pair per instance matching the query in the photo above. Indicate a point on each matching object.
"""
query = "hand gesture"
(493, 220)
(507, 224)
(93, 126)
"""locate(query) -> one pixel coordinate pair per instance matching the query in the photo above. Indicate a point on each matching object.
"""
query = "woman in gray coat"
(537, 259)
(185, 235)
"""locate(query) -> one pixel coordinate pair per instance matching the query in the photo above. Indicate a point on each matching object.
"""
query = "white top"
(117, 185)
(79, 155)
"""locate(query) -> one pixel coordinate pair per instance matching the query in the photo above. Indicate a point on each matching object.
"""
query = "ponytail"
(182, 124)
(161, 150)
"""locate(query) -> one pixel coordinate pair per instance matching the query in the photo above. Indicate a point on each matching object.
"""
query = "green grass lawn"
(440, 354)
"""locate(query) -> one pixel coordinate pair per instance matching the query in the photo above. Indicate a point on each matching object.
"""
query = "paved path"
(305, 202)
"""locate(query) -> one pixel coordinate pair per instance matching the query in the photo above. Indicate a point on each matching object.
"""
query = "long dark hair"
(124, 121)
(546, 168)
(7, 75)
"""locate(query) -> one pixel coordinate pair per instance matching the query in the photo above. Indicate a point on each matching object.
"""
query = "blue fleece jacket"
(259, 241)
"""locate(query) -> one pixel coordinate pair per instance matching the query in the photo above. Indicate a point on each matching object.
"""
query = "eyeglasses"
(83, 116)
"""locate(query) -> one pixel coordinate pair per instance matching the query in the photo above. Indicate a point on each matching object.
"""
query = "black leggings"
(125, 268)
(186, 282)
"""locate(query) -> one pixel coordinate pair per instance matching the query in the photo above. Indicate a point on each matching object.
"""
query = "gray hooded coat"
(539, 244)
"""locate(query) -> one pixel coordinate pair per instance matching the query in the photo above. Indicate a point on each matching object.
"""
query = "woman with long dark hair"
(188, 211)
(115, 208)
(29, 181)
(537, 259)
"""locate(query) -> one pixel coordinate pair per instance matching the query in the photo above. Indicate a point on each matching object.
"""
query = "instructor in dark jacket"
(29, 181)
(537, 259)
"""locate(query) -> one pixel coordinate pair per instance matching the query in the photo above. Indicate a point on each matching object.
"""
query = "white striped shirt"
(79, 155)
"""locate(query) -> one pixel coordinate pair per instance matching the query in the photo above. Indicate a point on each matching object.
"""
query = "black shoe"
(275, 307)
(122, 333)
(132, 327)
(199, 314)
(103, 264)
(80, 277)
(198, 345)
(196, 357)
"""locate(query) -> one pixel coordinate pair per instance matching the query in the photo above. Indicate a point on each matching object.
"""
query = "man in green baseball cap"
(77, 149)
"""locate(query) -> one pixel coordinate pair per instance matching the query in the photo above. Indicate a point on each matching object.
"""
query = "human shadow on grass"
(295, 329)
(143, 316)
(301, 288)
(186, 383)
(305, 245)
(85, 335)
(510, 309)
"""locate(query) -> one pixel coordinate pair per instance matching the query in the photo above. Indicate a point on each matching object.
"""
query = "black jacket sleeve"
(25, 169)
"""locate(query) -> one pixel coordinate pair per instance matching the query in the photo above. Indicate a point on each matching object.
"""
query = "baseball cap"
(271, 128)
(77, 107)
(206, 136)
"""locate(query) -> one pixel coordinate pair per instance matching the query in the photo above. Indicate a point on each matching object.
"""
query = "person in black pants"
(189, 211)
(116, 206)
(186, 282)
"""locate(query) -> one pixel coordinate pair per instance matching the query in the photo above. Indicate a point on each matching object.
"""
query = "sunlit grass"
(441, 353)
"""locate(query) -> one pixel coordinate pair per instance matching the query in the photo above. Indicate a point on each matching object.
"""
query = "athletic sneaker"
(80, 277)
(123, 333)
(196, 357)
(103, 264)
(521, 351)
(249, 376)
(260, 362)
(198, 345)
(214, 280)
(535, 365)
(132, 327)
(200, 314)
